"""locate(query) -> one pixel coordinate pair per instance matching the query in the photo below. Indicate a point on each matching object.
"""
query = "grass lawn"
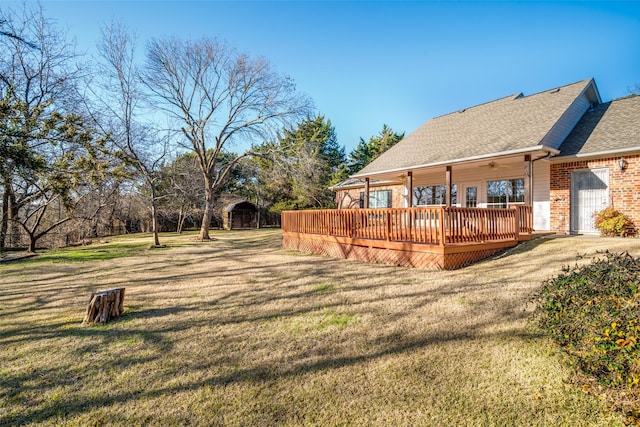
(238, 331)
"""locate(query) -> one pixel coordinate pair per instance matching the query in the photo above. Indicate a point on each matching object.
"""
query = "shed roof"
(241, 204)
(227, 202)
(508, 124)
(608, 127)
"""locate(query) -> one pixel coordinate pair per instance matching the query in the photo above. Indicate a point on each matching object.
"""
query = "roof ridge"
(557, 89)
(625, 97)
(583, 81)
(512, 96)
(515, 96)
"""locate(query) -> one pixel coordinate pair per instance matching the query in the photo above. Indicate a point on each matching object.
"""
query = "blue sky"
(397, 62)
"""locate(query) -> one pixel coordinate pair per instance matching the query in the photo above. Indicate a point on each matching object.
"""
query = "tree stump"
(104, 305)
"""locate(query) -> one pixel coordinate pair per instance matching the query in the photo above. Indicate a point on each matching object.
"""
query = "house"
(562, 151)
(473, 182)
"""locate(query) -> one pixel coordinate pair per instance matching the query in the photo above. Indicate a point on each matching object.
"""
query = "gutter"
(630, 150)
(549, 150)
(361, 183)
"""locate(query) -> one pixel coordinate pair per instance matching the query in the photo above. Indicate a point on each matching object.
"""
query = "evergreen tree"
(296, 170)
(366, 152)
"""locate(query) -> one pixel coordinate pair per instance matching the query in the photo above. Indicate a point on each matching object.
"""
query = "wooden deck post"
(388, 214)
(443, 234)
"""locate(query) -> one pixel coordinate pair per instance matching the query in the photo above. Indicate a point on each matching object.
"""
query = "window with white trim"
(377, 199)
(471, 197)
(506, 192)
(434, 195)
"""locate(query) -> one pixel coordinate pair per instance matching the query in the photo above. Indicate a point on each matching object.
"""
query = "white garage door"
(589, 194)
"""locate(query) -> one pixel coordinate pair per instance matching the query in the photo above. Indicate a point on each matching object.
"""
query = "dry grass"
(240, 332)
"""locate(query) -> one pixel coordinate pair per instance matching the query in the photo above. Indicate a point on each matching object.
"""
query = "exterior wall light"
(622, 163)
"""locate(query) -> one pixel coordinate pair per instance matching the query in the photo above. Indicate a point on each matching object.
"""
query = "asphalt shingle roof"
(610, 126)
(511, 123)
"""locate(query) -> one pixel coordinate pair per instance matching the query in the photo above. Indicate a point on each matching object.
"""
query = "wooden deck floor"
(425, 237)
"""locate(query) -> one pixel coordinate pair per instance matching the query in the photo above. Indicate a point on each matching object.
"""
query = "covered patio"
(440, 237)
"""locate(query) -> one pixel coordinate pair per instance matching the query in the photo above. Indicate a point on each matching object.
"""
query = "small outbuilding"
(238, 213)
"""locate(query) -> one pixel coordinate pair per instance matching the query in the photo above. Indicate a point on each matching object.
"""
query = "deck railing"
(427, 225)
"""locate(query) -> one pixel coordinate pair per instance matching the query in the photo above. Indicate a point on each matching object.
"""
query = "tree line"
(117, 143)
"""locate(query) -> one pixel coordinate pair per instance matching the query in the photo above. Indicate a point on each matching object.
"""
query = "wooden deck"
(425, 237)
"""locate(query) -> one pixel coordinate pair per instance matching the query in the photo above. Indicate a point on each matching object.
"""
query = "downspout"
(547, 156)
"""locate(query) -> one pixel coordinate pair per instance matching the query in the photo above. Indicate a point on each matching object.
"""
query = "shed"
(239, 214)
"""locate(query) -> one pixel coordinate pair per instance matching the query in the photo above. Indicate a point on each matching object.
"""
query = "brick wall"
(350, 199)
(624, 189)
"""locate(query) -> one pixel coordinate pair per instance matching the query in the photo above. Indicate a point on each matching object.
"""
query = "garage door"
(589, 194)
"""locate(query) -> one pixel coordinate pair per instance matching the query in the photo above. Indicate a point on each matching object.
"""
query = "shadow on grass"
(124, 330)
(274, 296)
(16, 333)
(390, 345)
(87, 254)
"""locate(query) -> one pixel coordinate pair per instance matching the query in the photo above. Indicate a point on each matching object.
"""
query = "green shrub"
(611, 222)
(593, 312)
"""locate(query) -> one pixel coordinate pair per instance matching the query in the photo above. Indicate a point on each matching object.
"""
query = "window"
(433, 195)
(501, 194)
(472, 197)
(377, 199)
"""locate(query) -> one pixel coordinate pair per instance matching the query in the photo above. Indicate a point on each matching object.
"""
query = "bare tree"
(184, 190)
(45, 147)
(122, 100)
(14, 36)
(218, 96)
